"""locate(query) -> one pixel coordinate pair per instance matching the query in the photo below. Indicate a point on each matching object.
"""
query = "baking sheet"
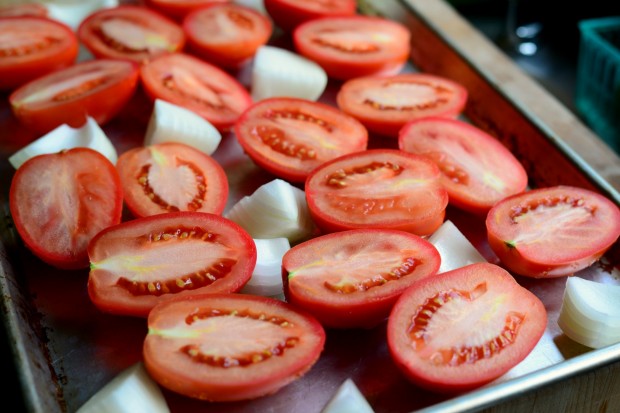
(66, 350)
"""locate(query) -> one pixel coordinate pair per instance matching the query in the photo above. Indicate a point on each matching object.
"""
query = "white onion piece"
(267, 276)
(258, 5)
(590, 314)
(72, 12)
(279, 72)
(173, 123)
(131, 391)
(348, 399)
(90, 135)
(277, 209)
(454, 248)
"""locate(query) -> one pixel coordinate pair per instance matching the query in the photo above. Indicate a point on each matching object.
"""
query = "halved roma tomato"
(230, 347)
(178, 9)
(226, 34)
(464, 328)
(138, 263)
(24, 9)
(130, 32)
(288, 14)
(552, 232)
(377, 188)
(95, 88)
(196, 85)
(352, 279)
(477, 170)
(290, 137)
(60, 201)
(385, 104)
(31, 47)
(353, 46)
(169, 177)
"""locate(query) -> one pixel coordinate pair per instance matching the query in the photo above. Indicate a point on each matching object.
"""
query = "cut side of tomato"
(288, 14)
(226, 34)
(291, 137)
(24, 9)
(95, 88)
(138, 263)
(130, 32)
(169, 177)
(461, 329)
(230, 347)
(199, 86)
(552, 232)
(60, 201)
(385, 104)
(351, 279)
(477, 170)
(178, 9)
(377, 188)
(31, 47)
(353, 46)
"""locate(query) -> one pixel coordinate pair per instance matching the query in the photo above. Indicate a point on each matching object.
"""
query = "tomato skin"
(178, 9)
(314, 127)
(366, 190)
(327, 41)
(509, 321)
(53, 46)
(60, 201)
(172, 159)
(209, 33)
(139, 263)
(377, 103)
(106, 88)
(533, 233)
(169, 364)
(477, 170)
(288, 14)
(98, 32)
(351, 279)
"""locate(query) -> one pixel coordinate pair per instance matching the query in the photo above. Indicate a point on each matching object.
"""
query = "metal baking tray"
(65, 350)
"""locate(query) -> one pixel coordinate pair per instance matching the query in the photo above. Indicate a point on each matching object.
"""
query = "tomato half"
(385, 104)
(24, 9)
(95, 88)
(464, 328)
(192, 83)
(230, 347)
(31, 47)
(226, 34)
(169, 177)
(377, 188)
(178, 9)
(353, 46)
(477, 170)
(352, 279)
(130, 32)
(553, 231)
(138, 263)
(288, 14)
(290, 137)
(60, 201)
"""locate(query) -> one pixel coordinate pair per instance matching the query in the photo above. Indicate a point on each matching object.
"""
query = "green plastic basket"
(597, 96)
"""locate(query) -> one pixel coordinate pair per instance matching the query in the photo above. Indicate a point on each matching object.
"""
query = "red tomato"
(32, 47)
(178, 9)
(130, 32)
(477, 170)
(136, 264)
(24, 9)
(60, 201)
(227, 35)
(552, 232)
(171, 177)
(196, 85)
(464, 328)
(290, 137)
(95, 88)
(288, 14)
(230, 347)
(353, 278)
(353, 46)
(377, 188)
(385, 104)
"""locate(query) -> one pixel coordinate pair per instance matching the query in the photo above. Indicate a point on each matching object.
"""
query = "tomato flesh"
(229, 347)
(288, 14)
(179, 9)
